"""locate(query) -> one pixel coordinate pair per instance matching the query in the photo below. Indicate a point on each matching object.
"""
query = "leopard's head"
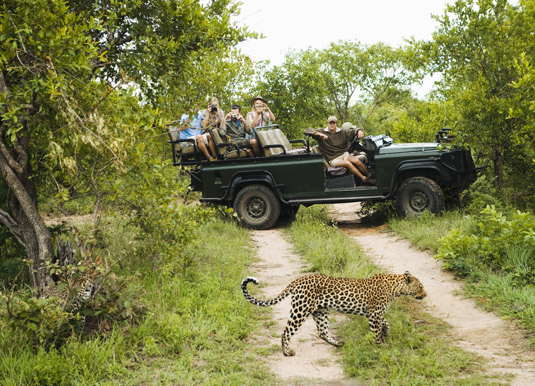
(413, 286)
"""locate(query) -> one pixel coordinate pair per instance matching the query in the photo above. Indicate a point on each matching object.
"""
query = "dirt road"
(315, 361)
(475, 330)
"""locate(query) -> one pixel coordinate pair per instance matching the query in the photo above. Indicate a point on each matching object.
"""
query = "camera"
(234, 116)
(213, 108)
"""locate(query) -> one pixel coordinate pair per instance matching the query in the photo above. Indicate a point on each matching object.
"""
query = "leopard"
(317, 294)
(76, 283)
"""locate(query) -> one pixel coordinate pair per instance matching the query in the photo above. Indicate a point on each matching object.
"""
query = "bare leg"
(256, 148)
(202, 146)
(359, 164)
(347, 164)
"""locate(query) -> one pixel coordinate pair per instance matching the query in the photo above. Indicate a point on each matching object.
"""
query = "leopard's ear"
(408, 276)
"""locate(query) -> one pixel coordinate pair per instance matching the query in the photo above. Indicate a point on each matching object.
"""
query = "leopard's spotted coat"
(316, 294)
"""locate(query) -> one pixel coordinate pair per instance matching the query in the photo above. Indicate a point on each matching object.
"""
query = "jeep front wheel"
(418, 194)
(257, 206)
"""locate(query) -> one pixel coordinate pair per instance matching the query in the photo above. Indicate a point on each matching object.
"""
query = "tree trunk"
(498, 166)
(27, 225)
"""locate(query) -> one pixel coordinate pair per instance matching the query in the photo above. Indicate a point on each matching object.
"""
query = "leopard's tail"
(261, 303)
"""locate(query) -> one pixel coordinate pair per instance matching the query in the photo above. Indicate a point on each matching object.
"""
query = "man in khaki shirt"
(334, 145)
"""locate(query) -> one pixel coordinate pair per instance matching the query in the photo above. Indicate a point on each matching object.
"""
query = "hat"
(348, 126)
(257, 98)
(332, 118)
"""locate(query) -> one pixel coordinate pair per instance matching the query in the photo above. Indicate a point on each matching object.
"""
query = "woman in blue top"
(192, 128)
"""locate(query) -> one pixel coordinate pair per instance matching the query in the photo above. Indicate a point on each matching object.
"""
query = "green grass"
(194, 331)
(425, 232)
(418, 350)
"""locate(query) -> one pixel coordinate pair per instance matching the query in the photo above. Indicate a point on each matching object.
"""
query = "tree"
(67, 115)
(313, 84)
(484, 50)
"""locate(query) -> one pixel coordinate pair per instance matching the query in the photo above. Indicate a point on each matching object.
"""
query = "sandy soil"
(316, 362)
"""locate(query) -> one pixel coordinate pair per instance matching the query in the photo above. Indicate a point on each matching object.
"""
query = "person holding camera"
(236, 128)
(261, 114)
(190, 128)
(213, 116)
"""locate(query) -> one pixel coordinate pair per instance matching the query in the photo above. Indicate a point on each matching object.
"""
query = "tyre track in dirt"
(476, 331)
(315, 361)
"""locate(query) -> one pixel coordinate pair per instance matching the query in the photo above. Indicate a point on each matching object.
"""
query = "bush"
(494, 242)
(376, 213)
(480, 194)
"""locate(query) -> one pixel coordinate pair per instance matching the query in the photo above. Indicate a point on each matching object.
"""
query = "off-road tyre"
(257, 206)
(418, 194)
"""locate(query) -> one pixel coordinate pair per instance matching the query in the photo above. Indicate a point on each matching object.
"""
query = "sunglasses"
(332, 122)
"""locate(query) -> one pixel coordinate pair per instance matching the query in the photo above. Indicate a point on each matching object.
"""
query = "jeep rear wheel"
(257, 206)
(418, 194)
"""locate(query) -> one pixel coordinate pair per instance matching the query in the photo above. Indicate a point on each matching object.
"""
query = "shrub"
(480, 194)
(495, 242)
(375, 213)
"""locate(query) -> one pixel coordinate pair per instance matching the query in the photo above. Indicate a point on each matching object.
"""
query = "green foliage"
(426, 231)
(409, 357)
(488, 244)
(411, 120)
(193, 329)
(313, 84)
(499, 265)
(11, 265)
(376, 213)
(176, 52)
(480, 194)
(52, 321)
(41, 322)
(484, 53)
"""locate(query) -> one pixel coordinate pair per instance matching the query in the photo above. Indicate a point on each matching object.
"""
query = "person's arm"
(223, 131)
(184, 125)
(315, 133)
(246, 125)
(205, 119)
(271, 116)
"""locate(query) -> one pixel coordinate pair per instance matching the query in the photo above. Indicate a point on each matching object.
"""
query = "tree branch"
(12, 225)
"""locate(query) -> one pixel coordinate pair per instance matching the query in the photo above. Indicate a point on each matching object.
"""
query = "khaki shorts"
(342, 157)
(187, 144)
(361, 156)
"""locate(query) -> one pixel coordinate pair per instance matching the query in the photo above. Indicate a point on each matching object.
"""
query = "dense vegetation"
(85, 88)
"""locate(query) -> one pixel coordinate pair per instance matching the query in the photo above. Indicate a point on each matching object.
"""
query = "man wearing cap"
(261, 114)
(334, 144)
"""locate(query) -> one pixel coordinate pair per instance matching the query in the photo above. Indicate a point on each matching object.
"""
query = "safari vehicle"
(419, 176)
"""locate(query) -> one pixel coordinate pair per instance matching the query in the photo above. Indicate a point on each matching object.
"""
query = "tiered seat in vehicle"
(188, 154)
(274, 142)
(226, 150)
